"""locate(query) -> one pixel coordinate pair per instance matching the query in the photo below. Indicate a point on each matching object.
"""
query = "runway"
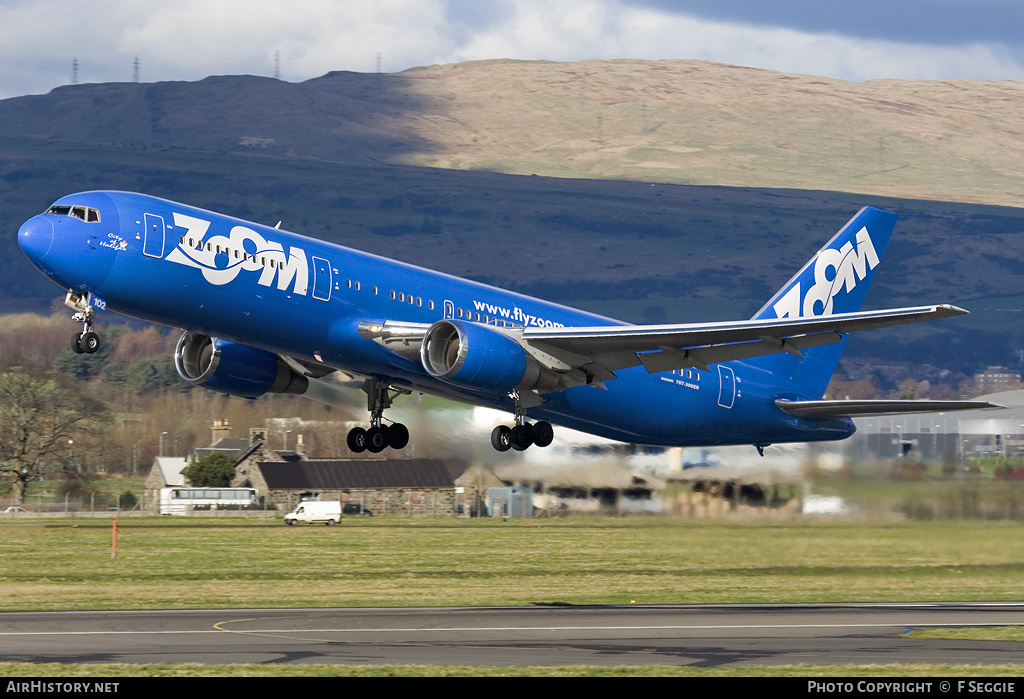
(702, 636)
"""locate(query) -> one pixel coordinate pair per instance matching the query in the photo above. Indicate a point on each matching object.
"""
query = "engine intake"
(238, 370)
(479, 356)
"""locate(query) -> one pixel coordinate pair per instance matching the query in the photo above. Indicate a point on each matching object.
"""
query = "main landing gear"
(379, 436)
(85, 342)
(522, 435)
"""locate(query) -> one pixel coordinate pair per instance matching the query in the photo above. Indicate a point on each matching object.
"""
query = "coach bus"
(183, 501)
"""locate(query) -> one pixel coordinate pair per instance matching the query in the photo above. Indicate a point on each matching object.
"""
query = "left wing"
(592, 355)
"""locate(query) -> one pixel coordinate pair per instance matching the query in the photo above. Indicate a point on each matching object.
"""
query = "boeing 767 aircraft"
(268, 311)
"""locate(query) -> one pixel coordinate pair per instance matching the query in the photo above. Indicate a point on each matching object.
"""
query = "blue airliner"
(269, 311)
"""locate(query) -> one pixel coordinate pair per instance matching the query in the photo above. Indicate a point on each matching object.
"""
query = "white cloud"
(190, 39)
(312, 36)
(608, 29)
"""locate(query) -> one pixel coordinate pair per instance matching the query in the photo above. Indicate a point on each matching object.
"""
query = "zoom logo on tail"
(221, 258)
(835, 280)
(834, 271)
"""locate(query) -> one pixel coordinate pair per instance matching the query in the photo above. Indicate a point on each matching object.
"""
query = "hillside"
(330, 158)
(677, 121)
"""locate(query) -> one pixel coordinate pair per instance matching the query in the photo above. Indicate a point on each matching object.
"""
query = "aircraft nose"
(35, 237)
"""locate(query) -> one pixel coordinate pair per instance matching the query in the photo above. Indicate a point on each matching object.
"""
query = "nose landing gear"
(85, 342)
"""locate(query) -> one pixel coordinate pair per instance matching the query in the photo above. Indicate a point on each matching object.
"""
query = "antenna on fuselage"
(278, 226)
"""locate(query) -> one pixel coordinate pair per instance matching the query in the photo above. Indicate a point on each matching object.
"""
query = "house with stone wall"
(386, 487)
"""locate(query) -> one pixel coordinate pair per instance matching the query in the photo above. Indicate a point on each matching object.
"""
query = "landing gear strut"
(379, 436)
(523, 434)
(85, 342)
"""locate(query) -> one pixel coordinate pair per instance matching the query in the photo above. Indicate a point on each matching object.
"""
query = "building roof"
(233, 448)
(329, 474)
(170, 468)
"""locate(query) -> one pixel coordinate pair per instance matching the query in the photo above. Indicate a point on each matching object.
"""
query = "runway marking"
(276, 634)
(464, 629)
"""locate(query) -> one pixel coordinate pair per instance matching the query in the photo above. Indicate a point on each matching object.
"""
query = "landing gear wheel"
(543, 433)
(501, 438)
(398, 436)
(376, 439)
(357, 440)
(521, 437)
(85, 342)
(89, 342)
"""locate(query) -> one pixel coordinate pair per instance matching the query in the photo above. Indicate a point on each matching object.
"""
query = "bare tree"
(37, 418)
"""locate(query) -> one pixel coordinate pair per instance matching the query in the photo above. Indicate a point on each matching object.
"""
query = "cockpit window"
(83, 212)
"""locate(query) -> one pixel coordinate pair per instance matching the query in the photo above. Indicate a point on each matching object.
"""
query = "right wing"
(600, 351)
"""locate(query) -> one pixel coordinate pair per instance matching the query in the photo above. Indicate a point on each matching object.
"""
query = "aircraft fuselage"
(300, 297)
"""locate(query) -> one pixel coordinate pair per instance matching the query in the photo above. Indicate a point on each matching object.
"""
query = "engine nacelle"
(469, 354)
(238, 370)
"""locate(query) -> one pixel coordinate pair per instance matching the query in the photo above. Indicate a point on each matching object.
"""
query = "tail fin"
(835, 280)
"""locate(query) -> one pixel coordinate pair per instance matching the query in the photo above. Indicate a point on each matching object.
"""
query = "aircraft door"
(322, 279)
(153, 236)
(726, 386)
(449, 310)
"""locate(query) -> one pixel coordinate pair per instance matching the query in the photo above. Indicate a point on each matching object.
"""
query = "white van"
(313, 511)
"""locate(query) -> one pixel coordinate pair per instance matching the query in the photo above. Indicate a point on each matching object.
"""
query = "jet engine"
(238, 370)
(482, 357)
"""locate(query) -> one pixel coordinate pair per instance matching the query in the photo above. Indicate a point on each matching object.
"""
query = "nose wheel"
(85, 342)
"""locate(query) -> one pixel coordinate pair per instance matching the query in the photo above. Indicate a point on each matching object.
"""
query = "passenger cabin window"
(85, 213)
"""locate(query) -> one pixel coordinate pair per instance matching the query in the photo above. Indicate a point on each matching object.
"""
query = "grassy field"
(258, 562)
(160, 563)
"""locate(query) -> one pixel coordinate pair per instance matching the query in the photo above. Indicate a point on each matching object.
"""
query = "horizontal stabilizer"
(823, 409)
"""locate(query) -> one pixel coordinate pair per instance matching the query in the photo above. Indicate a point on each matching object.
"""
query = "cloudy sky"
(302, 39)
